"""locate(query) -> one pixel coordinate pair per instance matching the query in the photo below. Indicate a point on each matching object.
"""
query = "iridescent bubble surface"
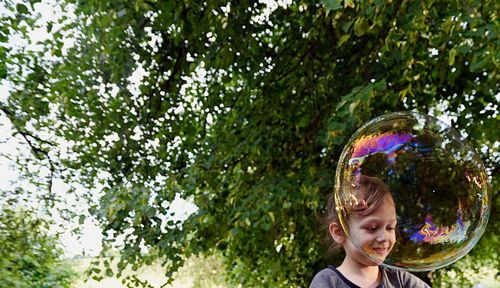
(437, 181)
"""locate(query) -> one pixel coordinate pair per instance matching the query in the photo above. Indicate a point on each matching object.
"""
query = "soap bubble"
(437, 182)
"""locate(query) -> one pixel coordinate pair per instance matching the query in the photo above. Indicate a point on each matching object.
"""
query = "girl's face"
(375, 234)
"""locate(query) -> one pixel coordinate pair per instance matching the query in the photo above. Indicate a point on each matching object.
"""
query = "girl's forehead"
(382, 215)
(377, 218)
(385, 212)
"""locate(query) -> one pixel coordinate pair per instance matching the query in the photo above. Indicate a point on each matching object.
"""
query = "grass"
(197, 272)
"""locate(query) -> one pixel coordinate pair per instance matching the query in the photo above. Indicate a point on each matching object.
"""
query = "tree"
(29, 256)
(243, 108)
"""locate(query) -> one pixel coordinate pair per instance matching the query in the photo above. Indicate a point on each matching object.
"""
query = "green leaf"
(3, 71)
(353, 106)
(81, 219)
(49, 26)
(332, 5)
(478, 63)
(361, 26)
(451, 58)
(22, 9)
(349, 3)
(343, 39)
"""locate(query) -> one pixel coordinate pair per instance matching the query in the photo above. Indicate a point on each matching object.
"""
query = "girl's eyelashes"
(371, 228)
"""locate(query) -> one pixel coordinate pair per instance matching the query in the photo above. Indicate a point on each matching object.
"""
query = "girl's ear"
(337, 232)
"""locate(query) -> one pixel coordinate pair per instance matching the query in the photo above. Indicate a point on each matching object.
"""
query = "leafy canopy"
(242, 108)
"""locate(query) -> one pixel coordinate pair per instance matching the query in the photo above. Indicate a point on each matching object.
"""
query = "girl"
(371, 222)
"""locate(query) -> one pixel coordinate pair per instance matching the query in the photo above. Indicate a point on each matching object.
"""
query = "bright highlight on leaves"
(437, 181)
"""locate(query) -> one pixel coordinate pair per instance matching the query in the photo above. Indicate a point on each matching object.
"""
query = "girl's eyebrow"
(369, 219)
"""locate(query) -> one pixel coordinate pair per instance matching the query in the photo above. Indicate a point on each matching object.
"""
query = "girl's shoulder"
(330, 278)
(400, 278)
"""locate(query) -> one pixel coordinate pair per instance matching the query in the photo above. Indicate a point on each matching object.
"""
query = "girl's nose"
(383, 236)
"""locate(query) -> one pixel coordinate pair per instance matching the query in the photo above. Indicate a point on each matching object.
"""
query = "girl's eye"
(371, 228)
(391, 228)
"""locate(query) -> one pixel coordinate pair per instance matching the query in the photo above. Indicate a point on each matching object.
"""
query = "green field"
(195, 273)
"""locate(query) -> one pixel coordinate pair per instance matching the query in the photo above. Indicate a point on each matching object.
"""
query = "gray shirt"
(391, 278)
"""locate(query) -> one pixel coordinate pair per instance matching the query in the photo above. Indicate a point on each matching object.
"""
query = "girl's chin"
(376, 258)
(377, 253)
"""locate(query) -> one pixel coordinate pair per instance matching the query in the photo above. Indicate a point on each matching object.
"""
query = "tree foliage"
(29, 256)
(243, 108)
(480, 266)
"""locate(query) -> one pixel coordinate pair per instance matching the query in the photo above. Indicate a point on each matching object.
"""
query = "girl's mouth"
(377, 250)
(380, 250)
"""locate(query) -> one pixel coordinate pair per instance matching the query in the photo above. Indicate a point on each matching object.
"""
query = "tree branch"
(37, 151)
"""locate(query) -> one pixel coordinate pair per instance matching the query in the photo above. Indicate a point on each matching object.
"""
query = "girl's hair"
(369, 193)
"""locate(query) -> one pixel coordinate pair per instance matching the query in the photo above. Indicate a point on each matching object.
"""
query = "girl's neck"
(359, 274)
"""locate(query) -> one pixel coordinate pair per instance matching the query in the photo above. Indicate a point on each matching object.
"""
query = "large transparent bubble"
(437, 183)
